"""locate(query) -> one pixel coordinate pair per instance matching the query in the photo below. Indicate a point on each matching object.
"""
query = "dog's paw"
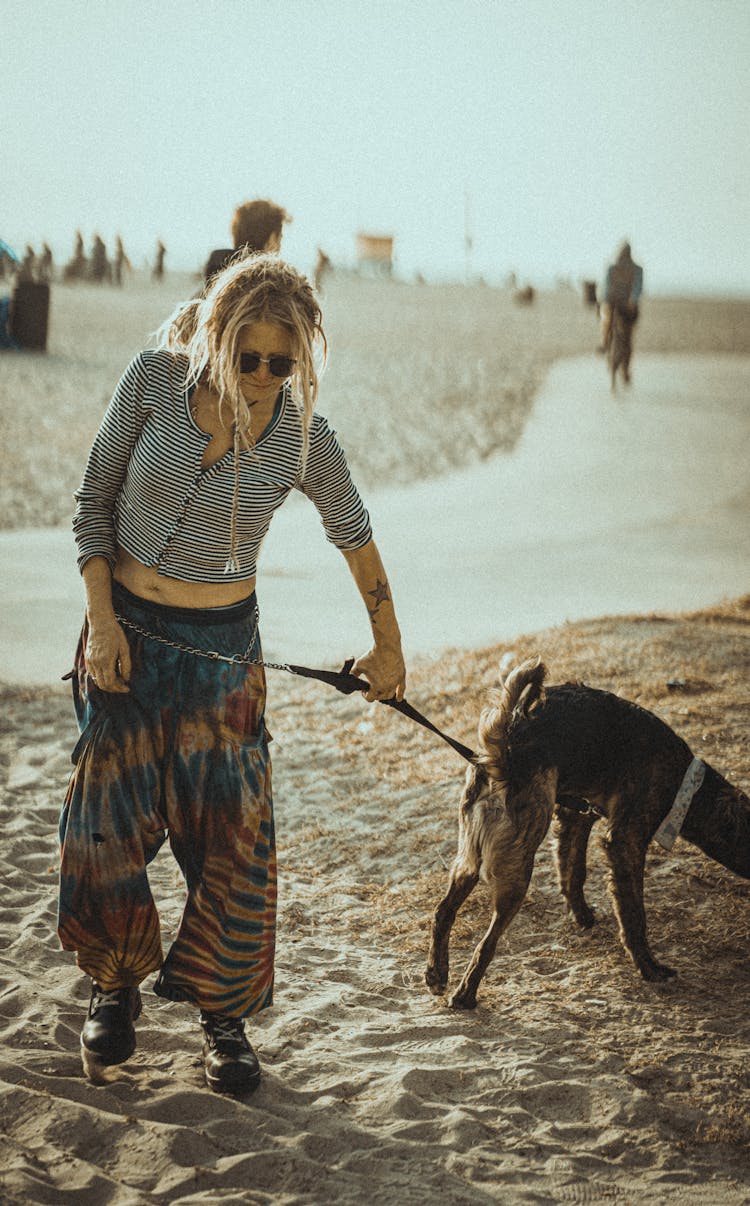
(585, 917)
(654, 971)
(435, 981)
(462, 1000)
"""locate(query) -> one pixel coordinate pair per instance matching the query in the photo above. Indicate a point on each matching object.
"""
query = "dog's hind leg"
(570, 832)
(462, 883)
(625, 848)
(509, 844)
(508, 896)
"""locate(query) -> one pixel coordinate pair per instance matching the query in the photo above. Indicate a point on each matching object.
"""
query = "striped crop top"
(144, 487)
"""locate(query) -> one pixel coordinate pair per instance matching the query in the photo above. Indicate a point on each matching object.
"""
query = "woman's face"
(268, 341)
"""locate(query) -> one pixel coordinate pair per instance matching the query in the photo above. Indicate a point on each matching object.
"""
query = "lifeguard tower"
(375, 254)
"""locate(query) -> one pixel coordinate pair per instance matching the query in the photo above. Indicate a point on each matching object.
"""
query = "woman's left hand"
(384, 669)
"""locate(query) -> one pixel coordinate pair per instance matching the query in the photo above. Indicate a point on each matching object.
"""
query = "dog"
(575, 753)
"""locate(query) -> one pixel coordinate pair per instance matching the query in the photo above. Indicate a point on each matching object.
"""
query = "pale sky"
(567, 124)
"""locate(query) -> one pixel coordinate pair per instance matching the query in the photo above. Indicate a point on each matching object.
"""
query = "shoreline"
(421, 380)
(607, 505)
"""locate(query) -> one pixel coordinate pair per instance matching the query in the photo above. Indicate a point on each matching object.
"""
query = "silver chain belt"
(344, 681)
(237, 659)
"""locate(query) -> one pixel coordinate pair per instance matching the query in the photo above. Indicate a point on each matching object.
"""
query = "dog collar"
(673, 821)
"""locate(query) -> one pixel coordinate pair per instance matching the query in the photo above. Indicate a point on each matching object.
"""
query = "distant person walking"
(256, 226)
(120, 262)
(157, 272)
(323, 268)
(77, 268)
(46, 268)
(99, 268)
(623, 286)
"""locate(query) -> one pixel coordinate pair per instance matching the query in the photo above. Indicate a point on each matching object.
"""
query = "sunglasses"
(278, 366)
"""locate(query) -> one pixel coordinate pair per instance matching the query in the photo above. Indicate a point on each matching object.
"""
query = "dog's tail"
(520, 691)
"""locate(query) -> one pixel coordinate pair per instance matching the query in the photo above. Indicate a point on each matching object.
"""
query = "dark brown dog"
(552, 751)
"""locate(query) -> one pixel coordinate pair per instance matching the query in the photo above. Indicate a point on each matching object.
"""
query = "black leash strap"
(347, 683)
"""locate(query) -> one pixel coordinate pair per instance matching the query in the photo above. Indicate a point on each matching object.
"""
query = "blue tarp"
(9, 251)
(6, 339)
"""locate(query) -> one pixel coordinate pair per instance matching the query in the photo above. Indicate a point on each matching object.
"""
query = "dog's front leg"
(626, 854)
(462, 882)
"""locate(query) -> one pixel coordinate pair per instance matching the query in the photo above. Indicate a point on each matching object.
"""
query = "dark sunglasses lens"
(281, 366)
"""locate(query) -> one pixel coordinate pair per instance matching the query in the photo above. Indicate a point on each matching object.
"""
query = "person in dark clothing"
(120, 262)
(45, 269)
(100, 267)
(157, 272)
(256, 226)
(623, 286)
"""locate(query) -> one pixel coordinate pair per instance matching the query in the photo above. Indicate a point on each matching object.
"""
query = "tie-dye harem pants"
(183, 755)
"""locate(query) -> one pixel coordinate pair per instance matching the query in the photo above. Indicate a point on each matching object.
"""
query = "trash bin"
(29, 314)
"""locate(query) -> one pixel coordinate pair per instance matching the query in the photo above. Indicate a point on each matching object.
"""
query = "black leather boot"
(108, 1032)
(231, 1065)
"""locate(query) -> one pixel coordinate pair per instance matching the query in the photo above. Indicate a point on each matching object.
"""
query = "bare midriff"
(147, 583)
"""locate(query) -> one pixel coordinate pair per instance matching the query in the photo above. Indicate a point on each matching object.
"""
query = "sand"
(573, 1081)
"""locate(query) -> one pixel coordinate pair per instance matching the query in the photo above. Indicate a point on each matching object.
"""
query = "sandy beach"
(573, 1081)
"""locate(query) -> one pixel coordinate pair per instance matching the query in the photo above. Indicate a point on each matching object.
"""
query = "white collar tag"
(673, 821)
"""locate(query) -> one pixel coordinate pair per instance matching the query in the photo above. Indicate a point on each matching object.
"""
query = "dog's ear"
(506, 664)
(524, 686)
(521, 690)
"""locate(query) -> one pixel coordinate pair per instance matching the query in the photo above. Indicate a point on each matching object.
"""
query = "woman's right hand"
(107, 655)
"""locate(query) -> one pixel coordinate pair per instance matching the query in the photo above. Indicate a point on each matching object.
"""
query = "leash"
(347, 683)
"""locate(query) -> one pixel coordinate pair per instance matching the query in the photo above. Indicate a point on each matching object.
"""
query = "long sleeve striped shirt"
(144, 487)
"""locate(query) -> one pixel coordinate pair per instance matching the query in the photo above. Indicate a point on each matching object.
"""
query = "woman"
(203, 440)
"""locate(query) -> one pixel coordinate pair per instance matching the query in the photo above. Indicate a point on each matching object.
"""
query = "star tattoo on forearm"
(380, 595)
